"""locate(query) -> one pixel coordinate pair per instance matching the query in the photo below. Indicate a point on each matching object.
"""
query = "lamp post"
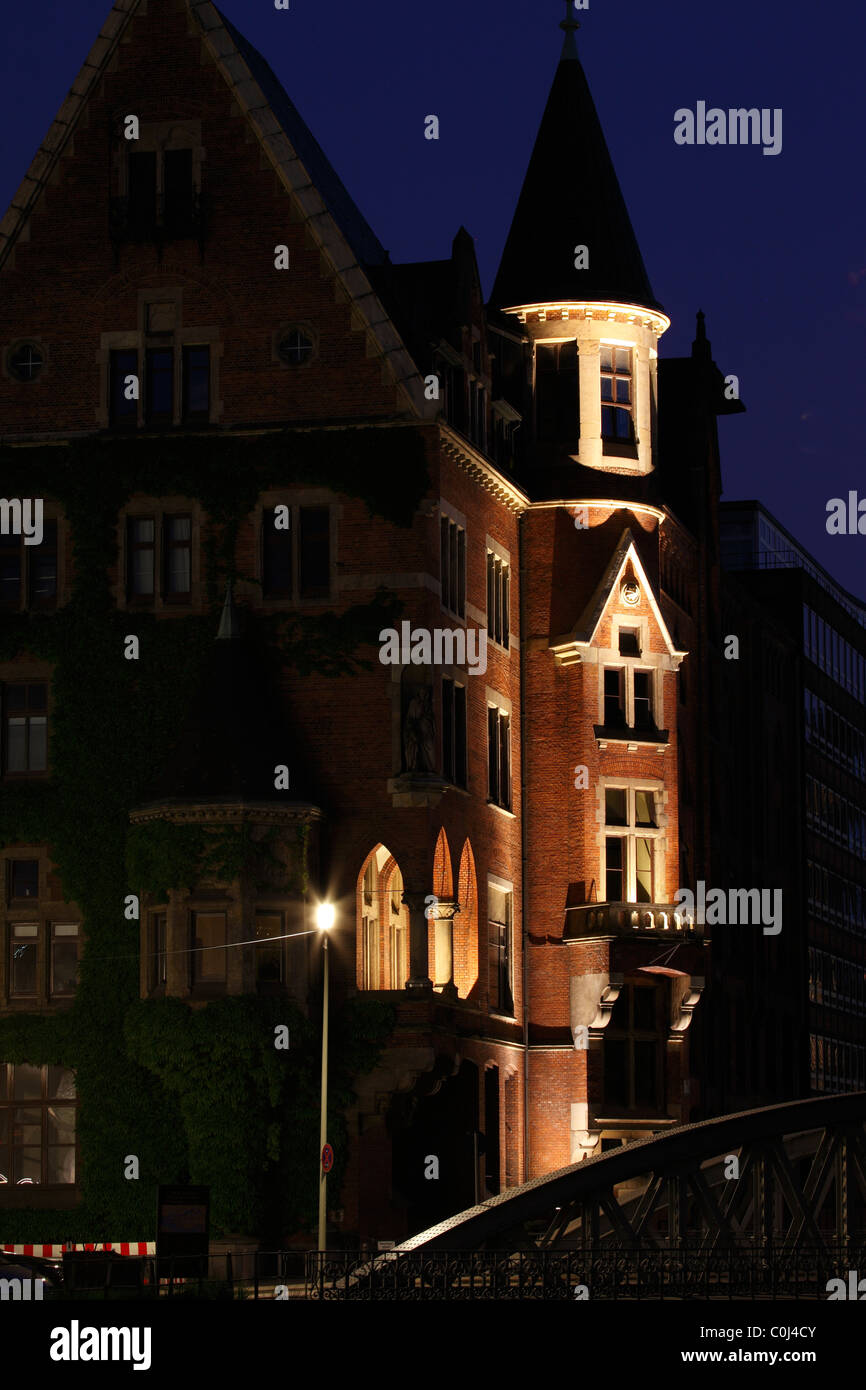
(325, 915)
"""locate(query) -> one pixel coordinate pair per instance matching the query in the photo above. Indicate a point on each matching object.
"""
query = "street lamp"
(325, 916)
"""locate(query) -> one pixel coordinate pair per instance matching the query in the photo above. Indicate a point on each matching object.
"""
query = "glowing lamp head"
(325, 916)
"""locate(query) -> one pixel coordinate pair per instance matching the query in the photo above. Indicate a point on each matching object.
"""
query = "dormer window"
(617, 395)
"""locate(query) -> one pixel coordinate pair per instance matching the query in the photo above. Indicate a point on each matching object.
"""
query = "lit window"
(629, 855)
(26, 728)
(178, 556)
(64, 958)
(23, 959)
(209, 963)
(37, 1125)
(617, 423)
(500, 962)
(141, 531)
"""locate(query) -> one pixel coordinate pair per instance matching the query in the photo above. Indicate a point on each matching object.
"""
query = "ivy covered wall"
(198, 1095)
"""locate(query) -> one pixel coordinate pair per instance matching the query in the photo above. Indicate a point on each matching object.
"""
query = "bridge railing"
(742, 1272)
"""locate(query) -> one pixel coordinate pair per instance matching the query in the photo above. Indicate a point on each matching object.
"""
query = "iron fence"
(740, 1272)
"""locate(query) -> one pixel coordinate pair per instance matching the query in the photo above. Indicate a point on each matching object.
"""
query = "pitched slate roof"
(357, 231)
(571, 197)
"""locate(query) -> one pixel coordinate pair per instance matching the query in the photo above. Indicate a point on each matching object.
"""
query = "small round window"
(296, 348)
(26, 361)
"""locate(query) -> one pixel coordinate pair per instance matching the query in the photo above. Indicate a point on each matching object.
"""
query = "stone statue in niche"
(418, 728)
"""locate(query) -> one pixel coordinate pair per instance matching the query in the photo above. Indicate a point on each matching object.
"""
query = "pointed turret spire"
(570, 24)
(571, 198)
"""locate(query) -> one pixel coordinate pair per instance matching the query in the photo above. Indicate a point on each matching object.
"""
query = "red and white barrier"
(55, 1252)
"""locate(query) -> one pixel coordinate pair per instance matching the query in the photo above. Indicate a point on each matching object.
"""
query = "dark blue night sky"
(772, 248)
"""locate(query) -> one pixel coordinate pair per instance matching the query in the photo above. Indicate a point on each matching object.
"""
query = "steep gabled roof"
(588, 623)
(571, 197)
(354, 226)
(340, 231)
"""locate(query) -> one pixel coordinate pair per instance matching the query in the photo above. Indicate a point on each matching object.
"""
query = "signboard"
(182, 1232)
(327, 1158)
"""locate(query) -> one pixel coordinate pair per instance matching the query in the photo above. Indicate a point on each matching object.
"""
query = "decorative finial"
(701, 347)
(230, 626)
(570, 24)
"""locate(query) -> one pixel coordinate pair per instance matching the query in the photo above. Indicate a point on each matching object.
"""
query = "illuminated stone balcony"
(663, 920)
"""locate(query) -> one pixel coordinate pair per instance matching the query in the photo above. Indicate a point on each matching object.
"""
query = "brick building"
(502, 822)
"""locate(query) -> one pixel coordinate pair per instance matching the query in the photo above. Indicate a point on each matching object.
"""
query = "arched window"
(383, 924)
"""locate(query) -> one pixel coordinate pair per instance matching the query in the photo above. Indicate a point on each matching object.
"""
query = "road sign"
(327, 1158)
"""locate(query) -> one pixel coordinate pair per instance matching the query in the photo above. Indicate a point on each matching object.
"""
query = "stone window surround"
(655, 662)
(24, 673)
(658, 835)
(30, 341)
(139, 340)
(590, 333)
(159, 509)
(505, 886)
(459, 519)
(51, 511)
(494, 547)
(294, 499)
(302, 326)
(45, 912)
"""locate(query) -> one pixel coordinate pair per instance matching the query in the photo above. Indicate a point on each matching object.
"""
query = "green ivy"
(196, 1094)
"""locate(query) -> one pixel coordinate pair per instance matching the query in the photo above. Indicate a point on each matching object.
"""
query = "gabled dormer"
(622, 632)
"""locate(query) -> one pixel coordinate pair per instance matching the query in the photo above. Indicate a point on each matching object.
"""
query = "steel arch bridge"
(767, 1203)
(799, 1179)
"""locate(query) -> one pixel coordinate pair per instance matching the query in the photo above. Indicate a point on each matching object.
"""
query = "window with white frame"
(631, 835)
(617, 398)
(629, 692)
